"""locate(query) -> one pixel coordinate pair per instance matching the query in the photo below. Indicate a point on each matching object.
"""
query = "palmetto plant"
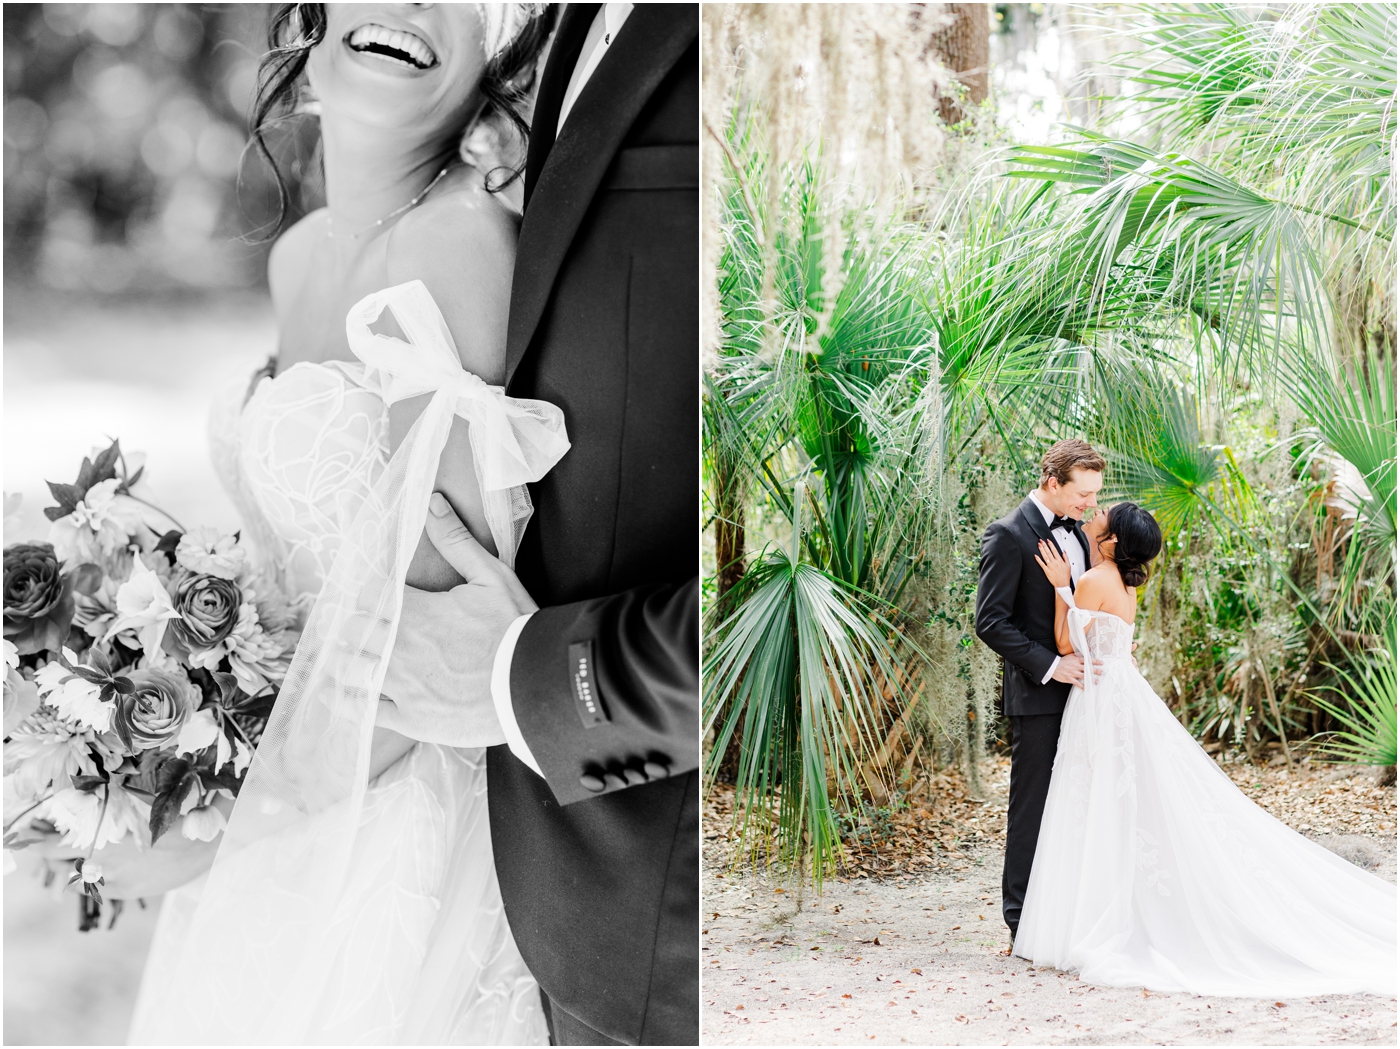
(1366, 711)
(1211, 303)
(815, 401)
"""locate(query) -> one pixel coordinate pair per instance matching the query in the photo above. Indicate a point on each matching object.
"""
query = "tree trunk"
(962, 46)
(729, 531)
(729, 562)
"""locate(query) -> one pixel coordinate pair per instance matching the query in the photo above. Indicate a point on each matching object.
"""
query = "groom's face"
(402, 66)
(1077, 496)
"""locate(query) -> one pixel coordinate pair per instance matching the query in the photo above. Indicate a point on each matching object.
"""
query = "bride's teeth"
(407, 43)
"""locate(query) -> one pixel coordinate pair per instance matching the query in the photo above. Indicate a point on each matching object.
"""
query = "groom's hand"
(438, 685)
(1070, 670)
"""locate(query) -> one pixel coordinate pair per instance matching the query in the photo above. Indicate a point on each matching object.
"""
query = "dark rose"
(152, 714)
(208, 608)
(38, 600)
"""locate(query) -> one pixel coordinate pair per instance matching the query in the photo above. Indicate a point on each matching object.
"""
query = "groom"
(1016, 619)
(591, 655)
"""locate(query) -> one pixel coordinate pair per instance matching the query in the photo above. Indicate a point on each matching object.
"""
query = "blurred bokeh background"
(135, 240)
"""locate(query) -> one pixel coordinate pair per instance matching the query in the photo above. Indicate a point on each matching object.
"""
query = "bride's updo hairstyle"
(515, 36)
(1139, 541)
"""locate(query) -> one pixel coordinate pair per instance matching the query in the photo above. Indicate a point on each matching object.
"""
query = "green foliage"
(1210, 303)
(1365, 709)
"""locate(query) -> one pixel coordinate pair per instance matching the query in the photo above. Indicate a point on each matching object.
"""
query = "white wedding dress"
(1153, 870)
(341, 911)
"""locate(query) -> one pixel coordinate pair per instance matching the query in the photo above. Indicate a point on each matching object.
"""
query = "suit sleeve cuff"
(500, 694)
(1045, 680)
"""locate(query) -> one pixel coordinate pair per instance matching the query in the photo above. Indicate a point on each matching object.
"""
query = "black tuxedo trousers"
(1016, 620)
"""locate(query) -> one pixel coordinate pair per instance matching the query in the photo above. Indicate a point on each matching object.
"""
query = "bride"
(1152, 869)
(354, 896)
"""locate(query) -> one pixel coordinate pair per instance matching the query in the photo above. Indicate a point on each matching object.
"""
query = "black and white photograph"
(351, 472)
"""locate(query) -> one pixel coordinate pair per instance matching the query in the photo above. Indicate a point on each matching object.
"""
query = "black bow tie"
(1062, 522)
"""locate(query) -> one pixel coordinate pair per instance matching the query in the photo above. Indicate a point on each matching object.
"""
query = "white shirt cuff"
(500, 694)
(1045, 680)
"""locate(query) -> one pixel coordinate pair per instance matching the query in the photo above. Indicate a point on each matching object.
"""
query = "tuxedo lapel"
(648, 45)
(554, 82)
(1031, 512)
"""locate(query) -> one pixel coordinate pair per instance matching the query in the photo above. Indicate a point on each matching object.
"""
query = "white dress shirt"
(601, 35)
(1074, 554)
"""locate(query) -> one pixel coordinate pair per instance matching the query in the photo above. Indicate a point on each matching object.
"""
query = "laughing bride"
(354, 897)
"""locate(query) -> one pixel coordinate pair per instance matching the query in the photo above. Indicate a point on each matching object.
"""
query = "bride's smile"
(400, 67)
(397, 47)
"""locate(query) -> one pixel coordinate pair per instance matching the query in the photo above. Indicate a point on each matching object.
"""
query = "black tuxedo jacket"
(598, 861)
(1016, 610)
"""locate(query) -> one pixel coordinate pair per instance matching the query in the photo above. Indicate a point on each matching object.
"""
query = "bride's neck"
(372, 172)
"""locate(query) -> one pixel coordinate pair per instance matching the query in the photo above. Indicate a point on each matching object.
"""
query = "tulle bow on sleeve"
(514, 441)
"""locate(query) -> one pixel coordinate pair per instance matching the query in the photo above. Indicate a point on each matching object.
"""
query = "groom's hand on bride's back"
(438, 685)
(1070, 669)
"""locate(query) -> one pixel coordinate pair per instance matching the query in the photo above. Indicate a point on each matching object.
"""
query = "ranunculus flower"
(21, 694)
(38, 600)
(143, 605)
(153, 714)
(210, 552)
(208, 607)
(255, 657)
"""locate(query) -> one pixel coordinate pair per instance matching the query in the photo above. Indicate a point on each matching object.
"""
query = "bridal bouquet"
(140, 669)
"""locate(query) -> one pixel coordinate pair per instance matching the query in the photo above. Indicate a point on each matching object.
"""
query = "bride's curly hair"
(294, 29)
(1139, 541)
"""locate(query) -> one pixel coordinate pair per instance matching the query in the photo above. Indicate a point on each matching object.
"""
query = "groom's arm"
(604, 694)
(998, 580)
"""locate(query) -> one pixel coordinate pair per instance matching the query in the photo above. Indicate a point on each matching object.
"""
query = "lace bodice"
(1106, 635)
(299, 459)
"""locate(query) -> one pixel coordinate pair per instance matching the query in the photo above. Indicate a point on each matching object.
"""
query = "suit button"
(613, 781)
(591, 783)
(635, 777)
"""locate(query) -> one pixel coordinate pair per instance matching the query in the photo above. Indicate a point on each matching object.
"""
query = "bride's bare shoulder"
(289, 260)
(1095, 587)
(461, 244)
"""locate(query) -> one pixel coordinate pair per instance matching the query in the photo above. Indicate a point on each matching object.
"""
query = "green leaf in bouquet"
(175, 779)
(68, 496)
(223, 778)
(229, 692)
(168, 542)
(103, 469)
(87, 783)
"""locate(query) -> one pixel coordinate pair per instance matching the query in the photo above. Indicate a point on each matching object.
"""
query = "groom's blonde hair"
(1069, 455)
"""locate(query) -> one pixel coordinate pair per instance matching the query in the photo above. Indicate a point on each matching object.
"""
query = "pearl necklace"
(330, 224)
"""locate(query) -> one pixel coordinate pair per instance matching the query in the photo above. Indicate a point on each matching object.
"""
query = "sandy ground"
(917, 959)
